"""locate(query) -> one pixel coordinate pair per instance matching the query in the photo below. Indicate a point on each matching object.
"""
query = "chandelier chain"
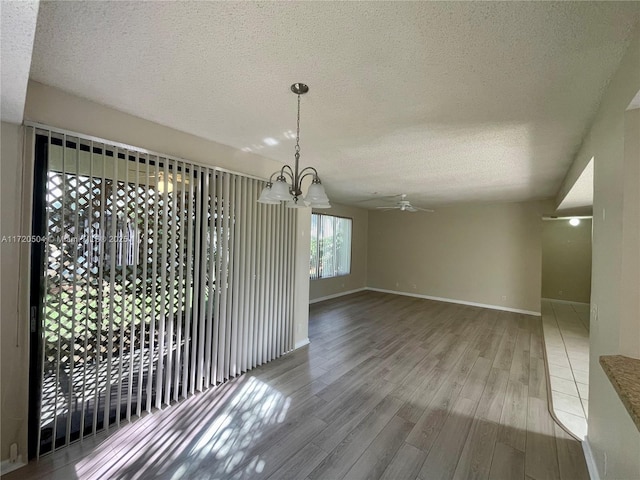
(298, 129)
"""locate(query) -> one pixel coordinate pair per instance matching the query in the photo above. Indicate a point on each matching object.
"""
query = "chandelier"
(288, 184)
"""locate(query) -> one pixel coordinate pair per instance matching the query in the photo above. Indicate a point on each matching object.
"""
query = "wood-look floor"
(391, 387)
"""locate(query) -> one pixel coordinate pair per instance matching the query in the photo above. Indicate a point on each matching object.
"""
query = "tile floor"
(566, 335)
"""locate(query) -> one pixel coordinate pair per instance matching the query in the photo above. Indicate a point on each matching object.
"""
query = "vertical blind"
(330, 246)
(160, 278)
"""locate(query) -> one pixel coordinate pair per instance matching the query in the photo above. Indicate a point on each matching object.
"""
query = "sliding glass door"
(154, 278)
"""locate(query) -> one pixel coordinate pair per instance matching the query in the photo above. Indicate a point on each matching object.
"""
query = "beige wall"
(487, 254)
(612, 435)
(566, 260)
(56, 108)
(357, 279)
(14, 363)
(630, 281)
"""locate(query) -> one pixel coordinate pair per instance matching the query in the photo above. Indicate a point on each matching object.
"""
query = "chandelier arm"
(288, 173)
(270, 182)
(306, 169)
(308, 174)
(283, 170)
(290, 177)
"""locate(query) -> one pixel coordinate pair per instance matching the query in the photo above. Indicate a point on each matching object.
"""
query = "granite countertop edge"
(624, 374)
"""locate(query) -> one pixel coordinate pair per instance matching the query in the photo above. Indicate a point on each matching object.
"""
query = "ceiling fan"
(404, 205)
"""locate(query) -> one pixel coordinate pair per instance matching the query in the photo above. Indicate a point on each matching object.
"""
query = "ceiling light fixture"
(574, 222)
(288, 184)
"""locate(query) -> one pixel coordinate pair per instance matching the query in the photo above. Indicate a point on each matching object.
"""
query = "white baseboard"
(461, 302)
(7, 466)
(591, 461)
(336, 295)
(301, 343)
(569, 302)
(428, 297)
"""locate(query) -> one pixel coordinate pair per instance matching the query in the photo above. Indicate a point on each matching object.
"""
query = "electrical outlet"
(504, 298)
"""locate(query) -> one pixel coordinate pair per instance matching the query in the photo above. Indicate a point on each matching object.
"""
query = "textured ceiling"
(444, 101)
(17, 32)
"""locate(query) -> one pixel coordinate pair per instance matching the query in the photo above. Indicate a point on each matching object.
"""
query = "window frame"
(323, 277)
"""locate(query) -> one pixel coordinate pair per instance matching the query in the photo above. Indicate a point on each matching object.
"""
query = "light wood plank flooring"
(391, 387)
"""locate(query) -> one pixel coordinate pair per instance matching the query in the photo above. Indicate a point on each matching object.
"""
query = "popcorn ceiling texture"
(444, 101)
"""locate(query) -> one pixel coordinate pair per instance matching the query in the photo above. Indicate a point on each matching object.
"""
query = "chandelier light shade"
(287, 186)
(265, 197)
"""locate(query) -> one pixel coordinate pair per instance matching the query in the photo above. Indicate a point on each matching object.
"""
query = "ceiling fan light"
(265, 197)
(280, 190)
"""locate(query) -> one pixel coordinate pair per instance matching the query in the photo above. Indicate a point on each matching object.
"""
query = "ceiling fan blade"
(424, 209)
(376, 198)
(387, 208)
(411, 208)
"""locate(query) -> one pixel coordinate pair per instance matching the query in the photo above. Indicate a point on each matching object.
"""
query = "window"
(330, 246)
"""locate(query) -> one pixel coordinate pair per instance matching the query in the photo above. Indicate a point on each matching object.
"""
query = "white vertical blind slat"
(204, 272)
(229, 218)
(60, 296)
(278, 283)
(197, 287)
(212, 276)
(268, 289)
(260, 283)
(217, 212)
(154, 284)
(171, 265)
(287, 284)
(133, 248)
(234, 291)
(88, 253)
(188, 386)
(31, 132)
(224, 278)
(100, 309)
(160, 386)
(242, 233)
(121, 263)
(251, 357)
(112, 284)
(250, 273)
(180, 265)
(71, 373)
(143, 248)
